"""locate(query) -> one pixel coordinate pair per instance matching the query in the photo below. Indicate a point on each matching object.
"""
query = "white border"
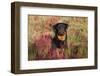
(25, 64)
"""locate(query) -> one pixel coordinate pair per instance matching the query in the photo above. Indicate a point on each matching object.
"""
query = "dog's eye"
(59, 27)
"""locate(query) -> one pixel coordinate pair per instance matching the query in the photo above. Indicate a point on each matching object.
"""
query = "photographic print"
(57, 37)
(52, 37)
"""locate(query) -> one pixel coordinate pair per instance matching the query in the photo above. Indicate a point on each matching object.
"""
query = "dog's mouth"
(61, 37)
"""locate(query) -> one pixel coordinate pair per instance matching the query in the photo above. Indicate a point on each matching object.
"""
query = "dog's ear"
(66, 26)
(54, 27)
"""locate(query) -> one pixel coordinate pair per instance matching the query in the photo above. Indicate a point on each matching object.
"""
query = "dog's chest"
(58, 44)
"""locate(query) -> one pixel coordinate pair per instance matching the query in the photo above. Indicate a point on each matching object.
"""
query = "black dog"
(60, 30)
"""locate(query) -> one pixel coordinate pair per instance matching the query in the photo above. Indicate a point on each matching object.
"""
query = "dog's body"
(60, 30)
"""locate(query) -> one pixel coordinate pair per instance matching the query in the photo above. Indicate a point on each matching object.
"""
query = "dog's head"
(60, 30)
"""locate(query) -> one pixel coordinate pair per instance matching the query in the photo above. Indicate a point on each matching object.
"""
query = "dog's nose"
(61, 34)
(61, 30)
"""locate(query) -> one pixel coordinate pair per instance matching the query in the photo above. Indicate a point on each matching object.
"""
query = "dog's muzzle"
(61, 37)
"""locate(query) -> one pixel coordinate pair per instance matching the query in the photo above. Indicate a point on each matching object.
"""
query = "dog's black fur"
(59, 29)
